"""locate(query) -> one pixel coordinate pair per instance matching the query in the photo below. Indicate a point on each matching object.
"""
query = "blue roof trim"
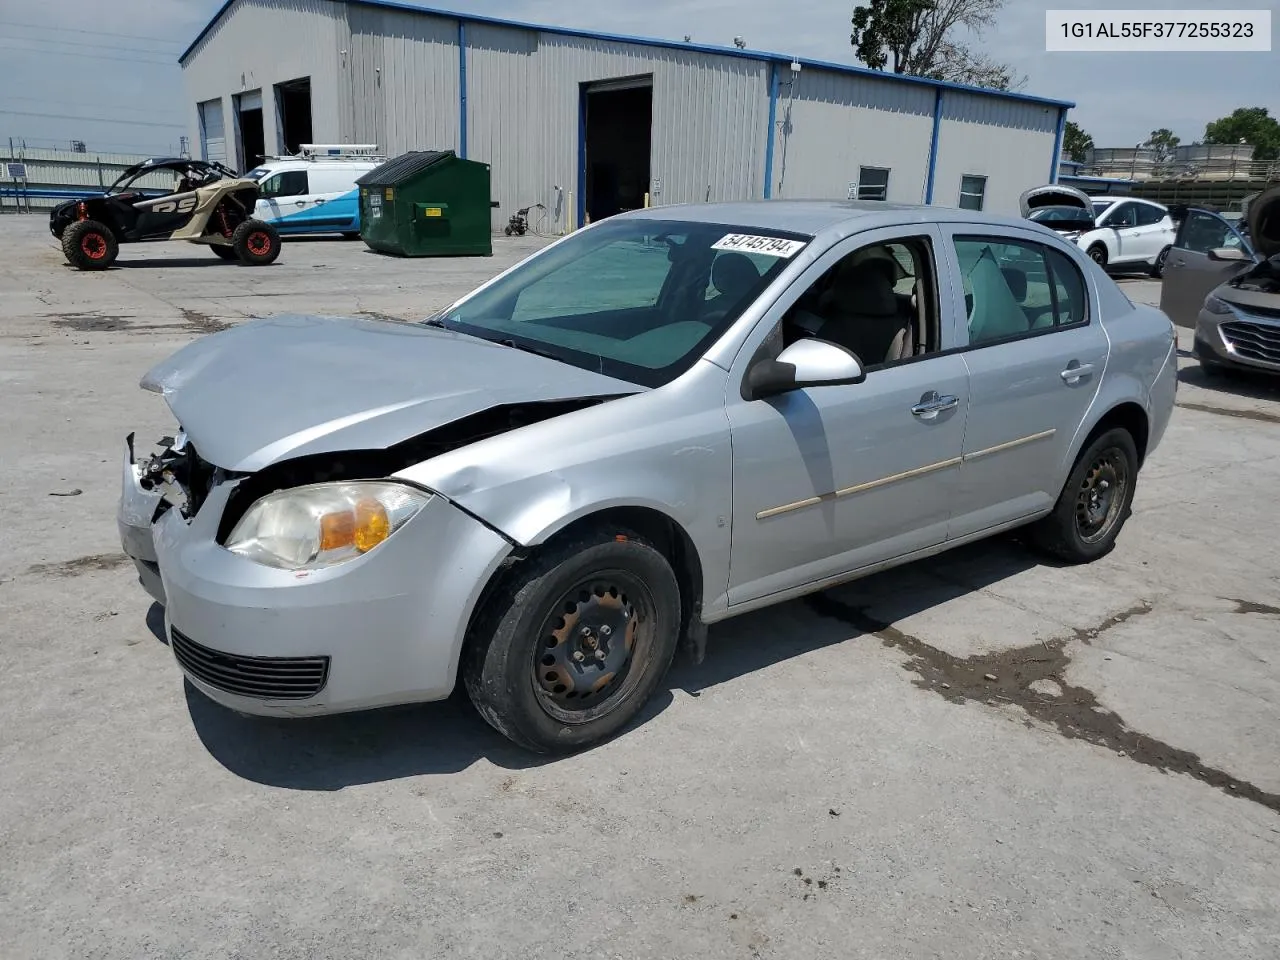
(758, 55)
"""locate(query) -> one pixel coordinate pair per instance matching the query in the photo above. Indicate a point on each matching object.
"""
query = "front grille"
(1253, 341)
(266, 678)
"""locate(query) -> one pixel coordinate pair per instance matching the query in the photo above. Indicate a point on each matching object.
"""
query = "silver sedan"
(669, 418)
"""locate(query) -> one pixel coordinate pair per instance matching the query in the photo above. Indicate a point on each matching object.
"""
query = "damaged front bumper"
(384, 628)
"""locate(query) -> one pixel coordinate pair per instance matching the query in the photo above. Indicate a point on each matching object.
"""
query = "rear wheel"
(1098, 254)
(1094, 503)
(574, 642)
(89, 245)
(256, 243)
(1157, 269)
(225, 252)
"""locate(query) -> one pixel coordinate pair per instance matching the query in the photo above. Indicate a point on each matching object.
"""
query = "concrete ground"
(838, 779)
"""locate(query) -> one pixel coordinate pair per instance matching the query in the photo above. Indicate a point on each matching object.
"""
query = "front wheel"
(1094, 503)
(256, 243)
(574, 642)
(89, 245)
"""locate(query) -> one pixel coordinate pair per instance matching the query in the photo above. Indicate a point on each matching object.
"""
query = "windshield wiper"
(528, 349)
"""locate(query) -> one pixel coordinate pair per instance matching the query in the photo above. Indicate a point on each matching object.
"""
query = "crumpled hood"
(1264, 223)
(271, 390)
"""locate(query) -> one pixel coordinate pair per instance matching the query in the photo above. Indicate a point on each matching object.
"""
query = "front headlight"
(1216, 306)
(322, 524)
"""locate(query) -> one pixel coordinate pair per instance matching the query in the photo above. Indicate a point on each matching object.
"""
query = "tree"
(1075, 142)
(1251, 125)
(1163, 144)
(919, 37)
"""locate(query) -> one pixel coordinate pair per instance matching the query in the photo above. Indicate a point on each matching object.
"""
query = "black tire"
(351, 235)
(1098, 254)
(89, 245)
(224, 252)
(507, 230)
(256, 243)
(1073, 531)
(536, 678)
(1157, 268)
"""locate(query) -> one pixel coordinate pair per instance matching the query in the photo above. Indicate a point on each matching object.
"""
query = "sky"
(106, 71)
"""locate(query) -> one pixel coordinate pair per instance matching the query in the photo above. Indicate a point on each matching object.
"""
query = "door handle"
(932, 404)
(318, 202)
(1074, 374)
(299, 203)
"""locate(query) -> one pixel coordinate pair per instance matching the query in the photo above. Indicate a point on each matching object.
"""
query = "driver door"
(830, 479)
(1189, 274)
(1123, 222)
(284, 199)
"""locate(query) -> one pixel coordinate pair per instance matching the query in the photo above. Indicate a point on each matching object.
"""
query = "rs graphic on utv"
(208, 204)
(668, 418)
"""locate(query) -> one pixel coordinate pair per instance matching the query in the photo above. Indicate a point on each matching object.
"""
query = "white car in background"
(1120, 233)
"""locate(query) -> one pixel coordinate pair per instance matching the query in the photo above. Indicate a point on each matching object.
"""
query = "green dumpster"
(427, 203)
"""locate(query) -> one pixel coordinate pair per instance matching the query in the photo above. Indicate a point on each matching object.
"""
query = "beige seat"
(861, 312)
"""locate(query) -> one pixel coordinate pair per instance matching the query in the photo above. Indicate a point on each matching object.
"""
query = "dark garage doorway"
(249, 135)
(616, 140)
(293, 107)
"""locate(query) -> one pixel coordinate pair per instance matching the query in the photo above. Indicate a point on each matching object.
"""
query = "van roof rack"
(340, 151)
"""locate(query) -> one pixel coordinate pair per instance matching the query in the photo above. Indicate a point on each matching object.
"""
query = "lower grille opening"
(264, 678)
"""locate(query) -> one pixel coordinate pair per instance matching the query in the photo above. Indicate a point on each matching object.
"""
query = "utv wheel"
(1098, 254)
(256, 243)
(89, 245)
(574, 642)
(1095, 501)
(224, 252)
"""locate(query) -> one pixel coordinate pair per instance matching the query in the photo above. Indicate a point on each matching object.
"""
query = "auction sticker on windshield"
(770, 246)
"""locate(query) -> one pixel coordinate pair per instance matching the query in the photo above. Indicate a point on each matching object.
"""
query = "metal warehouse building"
(589, 124)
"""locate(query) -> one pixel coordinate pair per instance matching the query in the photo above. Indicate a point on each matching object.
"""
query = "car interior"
(878, 303)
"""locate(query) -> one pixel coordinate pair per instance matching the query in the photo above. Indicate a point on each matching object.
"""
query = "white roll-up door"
(213, 134)
(251, 100)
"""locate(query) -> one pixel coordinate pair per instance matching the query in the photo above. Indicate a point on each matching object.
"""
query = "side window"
(973, 191)
(1149, 214)
(1013, 288)
(1202, 232)
(880, 302)
(873, 183)
(1125, 215)
(291, 183)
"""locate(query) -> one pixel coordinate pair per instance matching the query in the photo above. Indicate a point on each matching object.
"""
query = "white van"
(314, 192)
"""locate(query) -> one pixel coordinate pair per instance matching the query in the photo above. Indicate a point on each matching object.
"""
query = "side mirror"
(806, 363)
(1227, 253)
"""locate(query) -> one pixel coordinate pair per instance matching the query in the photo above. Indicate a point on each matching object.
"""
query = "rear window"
(635, 299)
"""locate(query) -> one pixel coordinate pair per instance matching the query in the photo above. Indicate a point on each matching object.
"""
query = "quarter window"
(291, 183)
(1014, 288)
(873, 183)
(973, 191)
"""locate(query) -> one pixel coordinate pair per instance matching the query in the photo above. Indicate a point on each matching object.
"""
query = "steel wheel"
(1102, 495)
(592, 639)
(93, 245)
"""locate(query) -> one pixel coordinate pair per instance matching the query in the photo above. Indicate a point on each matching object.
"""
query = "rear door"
(336, 207)
(1189, 274)
(1035, 352)
(1154, 231)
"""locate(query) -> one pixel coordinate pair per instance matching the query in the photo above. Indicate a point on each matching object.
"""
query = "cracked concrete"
(987, 818)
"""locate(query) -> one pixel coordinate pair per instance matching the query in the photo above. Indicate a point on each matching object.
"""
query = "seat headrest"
(734, 274)
(867, 288)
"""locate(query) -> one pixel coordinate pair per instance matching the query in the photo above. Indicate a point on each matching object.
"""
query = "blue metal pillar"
(462, 89)
(773, 130)
(933, 144)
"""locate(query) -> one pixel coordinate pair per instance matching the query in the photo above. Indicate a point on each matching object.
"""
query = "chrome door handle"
(299, 203)
(933, 404)
(1077, 373)
(318, 202)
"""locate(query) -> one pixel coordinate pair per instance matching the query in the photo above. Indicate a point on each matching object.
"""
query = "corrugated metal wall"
(56, 175)
(399, 80)
(830, 124)
(257, 44)
(523, 91)
(1007, 141)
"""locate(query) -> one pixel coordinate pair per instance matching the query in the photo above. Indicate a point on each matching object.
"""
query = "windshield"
(635, 299)
(1102, 206)
(257, 173)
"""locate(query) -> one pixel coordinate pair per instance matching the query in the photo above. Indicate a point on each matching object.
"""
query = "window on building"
(873, 183)
(1013, 288)
(291, 183)
(973, 190)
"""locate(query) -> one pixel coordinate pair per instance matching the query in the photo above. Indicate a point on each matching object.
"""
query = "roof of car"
(812, 217)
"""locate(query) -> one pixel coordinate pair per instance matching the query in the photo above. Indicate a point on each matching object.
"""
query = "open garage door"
(250, 139)
(293, 108)
(213, 134)
(616, 139)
